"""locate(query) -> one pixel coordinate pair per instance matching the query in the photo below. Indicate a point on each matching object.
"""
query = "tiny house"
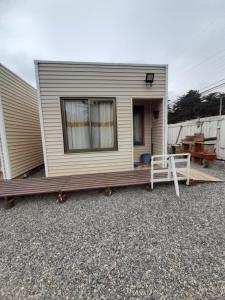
(100, 117)
(20, 136)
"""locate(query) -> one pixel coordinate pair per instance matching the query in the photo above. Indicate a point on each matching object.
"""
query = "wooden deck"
(63, 184)
(9, 189)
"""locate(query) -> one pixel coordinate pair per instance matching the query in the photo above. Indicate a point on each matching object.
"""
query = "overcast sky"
(187, 35)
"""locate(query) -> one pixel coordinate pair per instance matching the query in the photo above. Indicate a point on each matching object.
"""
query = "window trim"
(64, 129)
(142, 110)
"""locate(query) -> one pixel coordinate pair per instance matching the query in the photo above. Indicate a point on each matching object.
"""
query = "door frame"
(164, 130)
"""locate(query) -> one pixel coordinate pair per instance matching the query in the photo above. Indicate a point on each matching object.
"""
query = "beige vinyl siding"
(157, 129)
(21, 121)
(146, 148)
(2, 162)
(123, 82)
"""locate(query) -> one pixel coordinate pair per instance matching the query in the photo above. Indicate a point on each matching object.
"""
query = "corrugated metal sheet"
(211, 127)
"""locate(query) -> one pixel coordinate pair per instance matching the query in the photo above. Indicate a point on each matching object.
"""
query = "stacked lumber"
(200, 148)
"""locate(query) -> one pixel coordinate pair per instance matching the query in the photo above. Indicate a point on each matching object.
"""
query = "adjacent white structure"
(100, 117)
(20, 137)
(212, 127)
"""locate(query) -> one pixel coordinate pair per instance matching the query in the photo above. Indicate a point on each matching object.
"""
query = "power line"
(208, 86)
(218, 68)
(186, 73)
(198, 34)
(203, 61)
(212, 88)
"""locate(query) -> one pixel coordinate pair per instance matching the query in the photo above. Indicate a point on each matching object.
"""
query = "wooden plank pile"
(201, 149)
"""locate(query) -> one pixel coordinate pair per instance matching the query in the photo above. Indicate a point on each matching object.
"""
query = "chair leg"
(108, 192)
(8, 202)
(61, 197)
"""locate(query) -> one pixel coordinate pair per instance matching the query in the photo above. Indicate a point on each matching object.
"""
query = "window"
(89, 124)
(138, 125)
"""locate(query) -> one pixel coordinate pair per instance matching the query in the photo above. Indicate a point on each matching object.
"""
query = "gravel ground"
(133, 245)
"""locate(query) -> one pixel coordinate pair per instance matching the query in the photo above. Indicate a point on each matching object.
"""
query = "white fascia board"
(36, 61)
(41, 120)
(4, 146)
(165, 115)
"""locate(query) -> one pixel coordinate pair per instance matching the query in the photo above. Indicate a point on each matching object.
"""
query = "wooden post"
(61, 197)
(193, 182)
(8, 202)
(108, 192)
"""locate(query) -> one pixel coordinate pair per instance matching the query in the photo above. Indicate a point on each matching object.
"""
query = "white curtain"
(77, 122)
(102, 124)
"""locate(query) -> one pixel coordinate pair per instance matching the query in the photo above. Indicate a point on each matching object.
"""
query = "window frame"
(64, 128)
(141, 108)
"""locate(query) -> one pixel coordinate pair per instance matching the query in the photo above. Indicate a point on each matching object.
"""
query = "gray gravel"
(134, 245)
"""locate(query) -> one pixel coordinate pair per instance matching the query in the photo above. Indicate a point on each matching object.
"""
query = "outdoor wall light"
(155, 114)
(149, 79)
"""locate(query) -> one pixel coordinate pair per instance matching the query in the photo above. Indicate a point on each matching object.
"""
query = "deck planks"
(42, 185)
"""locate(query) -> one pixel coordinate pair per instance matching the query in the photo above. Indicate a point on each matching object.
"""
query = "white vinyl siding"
(21, 122)
(122, 82)
(158, 130)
